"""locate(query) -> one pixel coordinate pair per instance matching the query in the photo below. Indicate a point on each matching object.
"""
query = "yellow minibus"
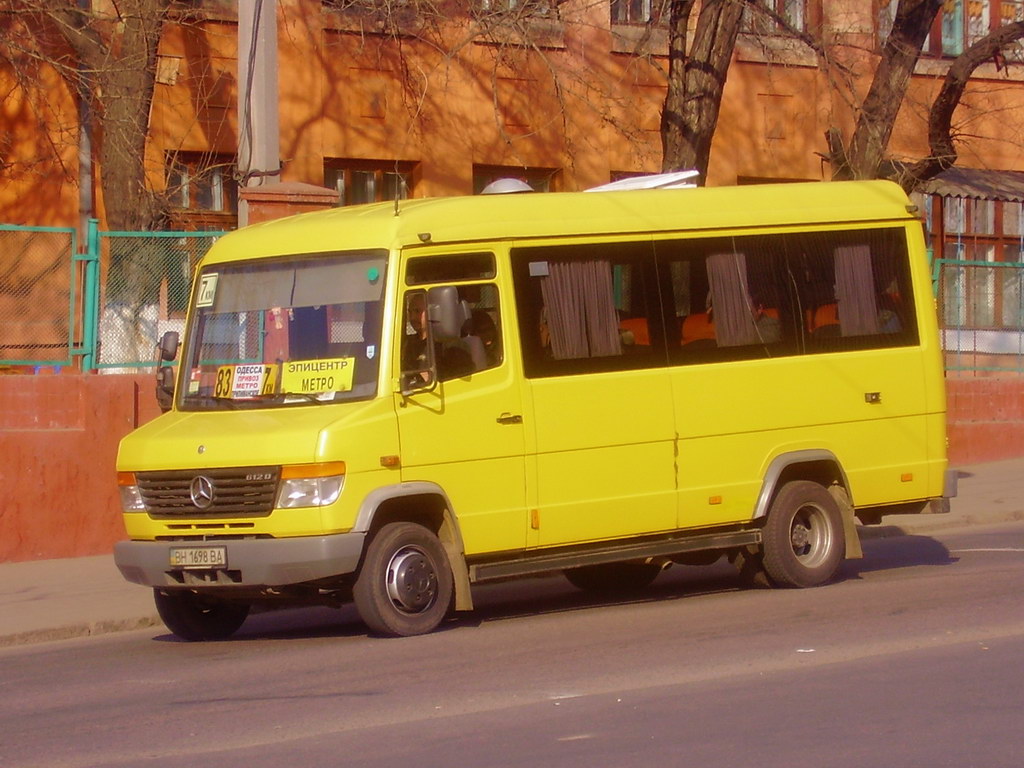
(388, 404)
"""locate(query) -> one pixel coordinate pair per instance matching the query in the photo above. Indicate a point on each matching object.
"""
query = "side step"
(560, 559)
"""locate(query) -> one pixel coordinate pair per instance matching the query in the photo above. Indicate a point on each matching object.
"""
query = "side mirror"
(165, 388)
(167, 351)
(168, 346)
(447, 312)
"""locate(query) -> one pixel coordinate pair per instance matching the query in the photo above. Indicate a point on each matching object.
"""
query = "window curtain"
(579, 303)
(855, 291)
(731, 307)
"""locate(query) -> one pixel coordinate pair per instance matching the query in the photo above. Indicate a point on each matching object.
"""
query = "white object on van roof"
(674, 180)
(506, 186)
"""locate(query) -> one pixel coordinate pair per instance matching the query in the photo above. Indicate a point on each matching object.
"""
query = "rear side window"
(757, 296)
(680, 301)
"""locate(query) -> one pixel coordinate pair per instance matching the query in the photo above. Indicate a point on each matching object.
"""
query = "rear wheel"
(803, 542)
(613, 577)
(193, 617)
(405, 585)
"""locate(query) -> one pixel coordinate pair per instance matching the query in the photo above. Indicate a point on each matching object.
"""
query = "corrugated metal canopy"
(975, 182)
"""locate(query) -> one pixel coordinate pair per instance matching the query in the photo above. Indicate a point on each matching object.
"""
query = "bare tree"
(943, 152)
(870, 140)
(866, 155)
(696, 80)
(108, 57)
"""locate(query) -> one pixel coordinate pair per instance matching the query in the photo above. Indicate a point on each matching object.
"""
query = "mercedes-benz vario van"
(389, 404)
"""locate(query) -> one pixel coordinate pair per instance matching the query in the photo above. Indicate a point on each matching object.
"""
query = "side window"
(728, 299)
(587, 308)
(854, 290)
(473, 344)
(743, 298)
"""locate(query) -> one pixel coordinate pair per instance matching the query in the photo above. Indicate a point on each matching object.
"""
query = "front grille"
(236, 492)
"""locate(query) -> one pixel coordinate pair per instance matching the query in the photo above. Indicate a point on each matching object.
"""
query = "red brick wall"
(58, 445)
(985, 420)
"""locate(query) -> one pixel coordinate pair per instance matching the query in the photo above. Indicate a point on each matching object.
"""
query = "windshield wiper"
(313, 397)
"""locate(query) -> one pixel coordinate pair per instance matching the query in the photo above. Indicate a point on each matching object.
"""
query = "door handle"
(509, 418)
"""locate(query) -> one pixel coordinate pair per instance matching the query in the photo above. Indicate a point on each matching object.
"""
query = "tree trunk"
(696, 81)
(940, 118)
(119, 54)
(878, 113)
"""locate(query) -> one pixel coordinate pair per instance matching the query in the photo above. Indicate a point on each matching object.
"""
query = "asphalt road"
(912, 659)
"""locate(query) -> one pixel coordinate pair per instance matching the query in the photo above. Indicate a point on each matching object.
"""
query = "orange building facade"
(566, 96)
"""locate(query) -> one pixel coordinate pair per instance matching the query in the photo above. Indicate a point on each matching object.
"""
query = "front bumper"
(250, 562)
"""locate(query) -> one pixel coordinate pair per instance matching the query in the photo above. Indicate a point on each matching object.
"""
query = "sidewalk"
(58, 599)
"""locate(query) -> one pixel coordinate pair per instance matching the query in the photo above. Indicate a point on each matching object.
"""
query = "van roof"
(527, 216)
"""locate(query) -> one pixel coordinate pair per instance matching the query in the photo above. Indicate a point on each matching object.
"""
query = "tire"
(803, 542)
(194, 617)
(405, 585)
(613, 577)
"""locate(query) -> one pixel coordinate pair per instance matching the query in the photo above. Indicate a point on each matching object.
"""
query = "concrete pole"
(259, 154)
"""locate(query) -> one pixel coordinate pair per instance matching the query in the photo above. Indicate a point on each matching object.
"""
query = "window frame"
(344, 172)
(942, 43)
(185, 171)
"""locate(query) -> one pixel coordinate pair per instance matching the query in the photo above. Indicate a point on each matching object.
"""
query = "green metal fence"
(100, 307)
(981, 314)
(145, 280)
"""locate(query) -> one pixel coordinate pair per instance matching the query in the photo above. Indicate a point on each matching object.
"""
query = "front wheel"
(193, 617)
(405, 585)
(803, 541)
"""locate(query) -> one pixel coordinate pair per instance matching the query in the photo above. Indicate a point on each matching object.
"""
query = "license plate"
(199, 557)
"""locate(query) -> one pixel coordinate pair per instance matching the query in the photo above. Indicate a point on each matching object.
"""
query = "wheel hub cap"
(411, 580)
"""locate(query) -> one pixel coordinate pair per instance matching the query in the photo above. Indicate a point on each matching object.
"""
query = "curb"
(82, 629)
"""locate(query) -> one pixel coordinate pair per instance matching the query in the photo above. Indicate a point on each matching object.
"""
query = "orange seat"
(826, 314)
(638, 327)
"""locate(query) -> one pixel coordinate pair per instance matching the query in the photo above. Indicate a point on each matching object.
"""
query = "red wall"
(986, 419)
(58, 446)
(59, 436)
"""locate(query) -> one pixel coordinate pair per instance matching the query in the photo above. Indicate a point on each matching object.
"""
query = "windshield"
(298, 332)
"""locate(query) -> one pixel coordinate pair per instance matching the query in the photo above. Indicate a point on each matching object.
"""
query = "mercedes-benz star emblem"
(202, 491)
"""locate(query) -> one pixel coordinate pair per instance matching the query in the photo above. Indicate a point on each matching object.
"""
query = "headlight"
(310, 485)
(131, 497)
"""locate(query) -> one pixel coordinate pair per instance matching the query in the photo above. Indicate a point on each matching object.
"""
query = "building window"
(547, 8)
(201, 191)
(198, 181)
(363, 181)
(973, 234)
(639, 11)
(962, 23)
(793, 14)
(540, 179)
